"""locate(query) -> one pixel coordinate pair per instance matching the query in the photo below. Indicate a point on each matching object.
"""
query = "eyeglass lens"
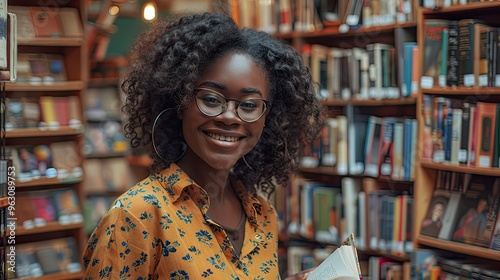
(213, 104)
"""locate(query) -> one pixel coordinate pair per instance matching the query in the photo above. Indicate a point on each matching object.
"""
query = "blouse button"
(258, 236)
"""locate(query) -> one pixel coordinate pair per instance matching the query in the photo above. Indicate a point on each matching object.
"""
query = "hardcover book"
(433, 221)
(45, 23)
(432, 54)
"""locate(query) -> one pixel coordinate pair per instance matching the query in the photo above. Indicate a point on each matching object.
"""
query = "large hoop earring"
(153, 138)
(246, 163)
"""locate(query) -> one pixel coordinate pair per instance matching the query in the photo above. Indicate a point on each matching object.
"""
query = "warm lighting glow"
(149, 11)
(113, 10)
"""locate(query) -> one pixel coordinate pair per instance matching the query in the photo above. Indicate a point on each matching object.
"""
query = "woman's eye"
(212, 99)
(249, 105)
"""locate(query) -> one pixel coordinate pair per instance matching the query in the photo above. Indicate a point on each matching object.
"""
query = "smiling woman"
(223, 113)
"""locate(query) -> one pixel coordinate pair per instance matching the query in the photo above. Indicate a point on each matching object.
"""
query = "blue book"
(408, 128)
(408, 65)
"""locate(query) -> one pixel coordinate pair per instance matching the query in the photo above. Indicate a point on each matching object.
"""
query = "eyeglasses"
(213, 103)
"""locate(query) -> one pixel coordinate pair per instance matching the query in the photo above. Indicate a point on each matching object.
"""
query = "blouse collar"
(178, 185)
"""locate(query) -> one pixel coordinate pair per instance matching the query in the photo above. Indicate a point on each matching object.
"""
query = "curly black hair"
(167, 60)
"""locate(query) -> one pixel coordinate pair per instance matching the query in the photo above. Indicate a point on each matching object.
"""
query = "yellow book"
(48, 111)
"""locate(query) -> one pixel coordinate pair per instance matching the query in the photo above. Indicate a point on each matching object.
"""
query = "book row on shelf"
(45, 112)
(460, 132)
(460, 53)
(285, 16)
(372, 72)
(465, 209)
(48, 258)
(316, 215)
(365, 145)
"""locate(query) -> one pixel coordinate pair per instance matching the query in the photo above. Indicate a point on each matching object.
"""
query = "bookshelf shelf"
(103, 82)
(51, 42)
(50, 227)
(457, 9)
(330, 171)
(334, 31)
(4, 202)
(47, 182)
(37, 132)
(459, 247)
(371, 102)
(462, 168)
(462, 91)
(106, 155)
(58, 276)
(59, 86)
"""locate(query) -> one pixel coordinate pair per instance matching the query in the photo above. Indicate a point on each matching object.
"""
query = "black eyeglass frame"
(267, 104)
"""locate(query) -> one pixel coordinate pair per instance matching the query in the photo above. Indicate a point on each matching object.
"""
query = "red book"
(485, 134)
(62, 110)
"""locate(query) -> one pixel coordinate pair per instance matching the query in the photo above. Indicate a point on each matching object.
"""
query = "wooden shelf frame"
(37, 132)
(372, 102)
(58, 276)
(467, 249)
(50, 227)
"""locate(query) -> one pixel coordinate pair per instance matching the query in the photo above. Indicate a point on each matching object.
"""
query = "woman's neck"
(214, 182)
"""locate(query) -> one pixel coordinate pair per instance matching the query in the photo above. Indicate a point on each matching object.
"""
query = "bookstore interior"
(408, 161)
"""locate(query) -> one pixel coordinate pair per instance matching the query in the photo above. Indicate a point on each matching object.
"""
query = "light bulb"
(149, 11)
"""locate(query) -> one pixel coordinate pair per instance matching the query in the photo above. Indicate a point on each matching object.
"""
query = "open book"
(342, 264)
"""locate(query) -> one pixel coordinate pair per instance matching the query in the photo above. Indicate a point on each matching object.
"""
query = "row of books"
(465, 208)
(49, 21)
(107, 175)
(432, 264)
(460, 53)
(44, 112)
(59, 160)
(41, 68)
(362, 73)
(102, 103)
(381, 219)
(104, 137)
(461, 132)
(434, 4)
(45, 258)
(41, 208)
(366, 145)
(308, 15)
(378, 71)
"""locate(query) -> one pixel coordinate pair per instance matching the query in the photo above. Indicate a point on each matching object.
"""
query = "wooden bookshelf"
(4, 202)
(428, 171)
(72, 52)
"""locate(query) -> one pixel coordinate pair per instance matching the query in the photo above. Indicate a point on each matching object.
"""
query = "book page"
(341, 264)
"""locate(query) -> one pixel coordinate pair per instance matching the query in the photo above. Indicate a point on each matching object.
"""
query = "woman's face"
(222, 140)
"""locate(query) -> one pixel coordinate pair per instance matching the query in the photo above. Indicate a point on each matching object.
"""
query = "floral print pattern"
(159, 229)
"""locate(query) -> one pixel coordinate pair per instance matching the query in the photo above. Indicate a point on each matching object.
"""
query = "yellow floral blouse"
(159, 229)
